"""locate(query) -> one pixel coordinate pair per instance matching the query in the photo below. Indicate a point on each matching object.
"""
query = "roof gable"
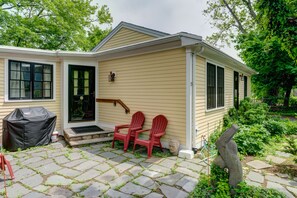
(134, 32)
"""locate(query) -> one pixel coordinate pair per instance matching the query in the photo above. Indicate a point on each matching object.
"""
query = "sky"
(170, 16)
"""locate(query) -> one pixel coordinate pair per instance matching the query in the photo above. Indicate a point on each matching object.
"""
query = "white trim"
(194, 124)
(6, 74)
(65, 66)
(189, 98)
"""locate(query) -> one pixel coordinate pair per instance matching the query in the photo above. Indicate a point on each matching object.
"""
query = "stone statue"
(174, 147)
(228, 157)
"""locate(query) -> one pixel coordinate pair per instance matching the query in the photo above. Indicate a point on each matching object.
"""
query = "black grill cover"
(28, 127)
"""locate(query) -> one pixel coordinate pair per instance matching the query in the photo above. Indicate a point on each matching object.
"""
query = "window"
(245, 86)
(30, 80)
(215, 86)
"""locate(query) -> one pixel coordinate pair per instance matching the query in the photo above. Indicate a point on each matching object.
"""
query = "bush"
(291, 127)
(293, 101)
(216, 185)
(247, 113)
(251, 140)
(275, 127)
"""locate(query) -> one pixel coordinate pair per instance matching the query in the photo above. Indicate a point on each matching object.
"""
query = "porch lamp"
(111, 76)
(241, 77)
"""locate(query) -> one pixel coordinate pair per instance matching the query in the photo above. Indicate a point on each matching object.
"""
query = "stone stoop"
(75, 139)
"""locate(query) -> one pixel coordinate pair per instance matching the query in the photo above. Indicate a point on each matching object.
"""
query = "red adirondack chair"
(136, 124)
(4, 162)
(156, 132)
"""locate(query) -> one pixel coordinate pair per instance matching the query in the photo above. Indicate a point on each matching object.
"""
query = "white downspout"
(188, 152)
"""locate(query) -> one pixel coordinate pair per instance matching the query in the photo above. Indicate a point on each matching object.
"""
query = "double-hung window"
(215, 86)
(29, 80)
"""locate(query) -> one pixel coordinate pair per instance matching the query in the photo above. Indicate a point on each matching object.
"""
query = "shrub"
(292, 147)
(291, 127)
(247, 113)
(293, 101)
(251, 139)
(275, 127)
(216, 185)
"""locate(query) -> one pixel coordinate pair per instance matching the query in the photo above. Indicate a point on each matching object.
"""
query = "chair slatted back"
(159, 125)
(137, 120)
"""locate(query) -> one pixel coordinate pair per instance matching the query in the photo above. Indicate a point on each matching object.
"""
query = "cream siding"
(208, 121)
(53, 106)
(124, 37)
(152, 83)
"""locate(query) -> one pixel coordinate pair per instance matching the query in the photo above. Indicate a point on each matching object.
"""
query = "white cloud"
(169, 16)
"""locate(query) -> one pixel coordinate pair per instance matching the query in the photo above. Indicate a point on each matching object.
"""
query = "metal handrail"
(114, 101)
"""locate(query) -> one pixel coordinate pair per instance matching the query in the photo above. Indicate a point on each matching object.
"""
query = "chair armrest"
(116, 128)
(140, 131)
(159, 134)
(136, 128)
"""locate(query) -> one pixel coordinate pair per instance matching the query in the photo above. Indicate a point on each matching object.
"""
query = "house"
(179, 75)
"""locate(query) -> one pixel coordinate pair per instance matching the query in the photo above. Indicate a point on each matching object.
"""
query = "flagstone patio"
(98, 170)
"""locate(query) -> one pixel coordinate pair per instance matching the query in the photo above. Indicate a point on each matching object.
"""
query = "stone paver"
(94, 190)
(283, 154)
(86, 165)
(146, 182)
(90, 174)
(77, 187)
(48, 168)
(170, 179)
(169, 191)
(41, 188)
(257, 164)
(32, 181)
(108, 155)
(60, 191)
(192, 166)
(251, 183)
(108, 176)
(35, 195)
(58, 180)
(32, 160)
(256, 177)
(67, 172)
(280, 180)
(279, 188)
(124, 166)
(187, 172)
(135, 170)
(292, 190)
(152, 174)
(133, 189)
(120, 181)
(23, 173)
(154, 195)
(161, 169)
(168, 163)
(187, 183)
(17, 190)
(274, 159)
(116, 194)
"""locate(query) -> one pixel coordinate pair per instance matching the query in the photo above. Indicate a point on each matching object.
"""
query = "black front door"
(81, 93)
(236, 90)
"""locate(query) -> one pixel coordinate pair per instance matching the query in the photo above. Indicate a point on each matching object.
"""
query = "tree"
(270, 49)
(230, 17)
(265, 33)
(53, 24)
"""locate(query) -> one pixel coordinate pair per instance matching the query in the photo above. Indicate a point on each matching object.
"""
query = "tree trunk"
(287, 95)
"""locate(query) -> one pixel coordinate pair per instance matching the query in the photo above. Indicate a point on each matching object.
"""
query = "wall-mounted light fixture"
(111, 76)
(241, 76)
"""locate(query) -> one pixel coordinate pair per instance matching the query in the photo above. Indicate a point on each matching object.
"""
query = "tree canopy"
(265, 32)
(53, 24)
